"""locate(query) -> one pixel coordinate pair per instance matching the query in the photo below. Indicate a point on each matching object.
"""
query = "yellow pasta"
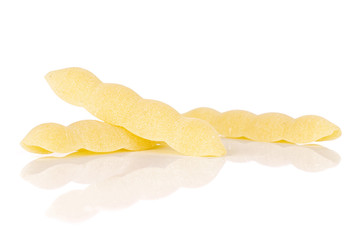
(150, 119)
(91, 135)
(268, 127)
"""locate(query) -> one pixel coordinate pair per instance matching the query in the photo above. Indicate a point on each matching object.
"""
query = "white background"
(293, 57)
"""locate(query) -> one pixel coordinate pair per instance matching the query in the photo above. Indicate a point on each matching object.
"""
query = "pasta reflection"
(118, 180)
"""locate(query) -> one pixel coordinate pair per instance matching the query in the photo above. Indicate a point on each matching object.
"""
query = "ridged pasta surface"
(91, 135)
(268, 127)
(149, 119)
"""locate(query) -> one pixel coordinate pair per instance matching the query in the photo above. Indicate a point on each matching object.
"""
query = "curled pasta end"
(67, 82)
(311, 128)
(47, 138)
(34, 149)
(207, 145)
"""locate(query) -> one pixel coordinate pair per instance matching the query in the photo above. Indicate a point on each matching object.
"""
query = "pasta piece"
(150, 119)
(91, 135)
(268, 127)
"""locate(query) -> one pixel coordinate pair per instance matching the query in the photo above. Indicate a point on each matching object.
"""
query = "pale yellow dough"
(268, 127)
(149, 119)
(91, 135)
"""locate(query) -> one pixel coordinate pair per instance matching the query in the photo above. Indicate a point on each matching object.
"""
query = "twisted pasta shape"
(268, 127)
(150, 119)
(91, 135)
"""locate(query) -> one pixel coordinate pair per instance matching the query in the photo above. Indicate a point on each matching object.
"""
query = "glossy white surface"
(119, 180)
(293, 57)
